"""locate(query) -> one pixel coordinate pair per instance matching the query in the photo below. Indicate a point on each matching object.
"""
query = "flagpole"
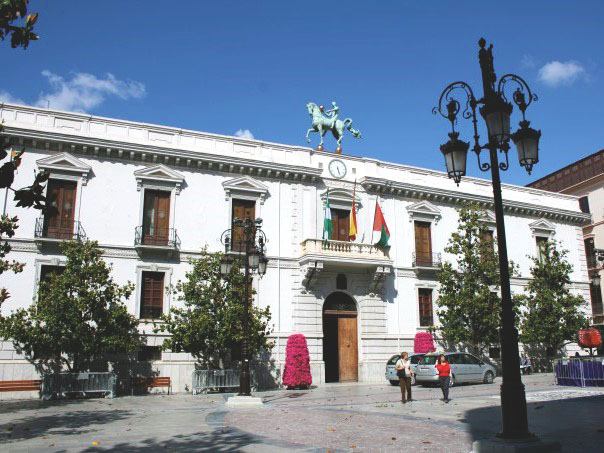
(374, 212)
(6, 190)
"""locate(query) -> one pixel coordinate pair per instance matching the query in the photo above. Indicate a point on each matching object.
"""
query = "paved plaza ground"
(328, 418)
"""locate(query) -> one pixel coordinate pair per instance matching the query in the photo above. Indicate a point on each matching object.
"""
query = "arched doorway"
(340, 347)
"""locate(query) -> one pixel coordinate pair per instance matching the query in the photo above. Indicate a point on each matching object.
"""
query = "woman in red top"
(444, 374)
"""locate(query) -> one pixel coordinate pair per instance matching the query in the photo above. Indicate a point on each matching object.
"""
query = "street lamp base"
(528, 445)
(245, 402)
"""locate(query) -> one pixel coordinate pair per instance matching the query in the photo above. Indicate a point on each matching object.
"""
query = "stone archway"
(340, 344)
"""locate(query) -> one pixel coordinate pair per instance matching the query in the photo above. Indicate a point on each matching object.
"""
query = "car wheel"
(489, 377)
(452, 380)
(395, 383)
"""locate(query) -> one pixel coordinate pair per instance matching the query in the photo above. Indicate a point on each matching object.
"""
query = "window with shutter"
(47, 270)
(242, 209)
(541, 247)
(487, 240)
(149, 353)
(584, 204)
(61, 195)
(425, 307)
(423, 244)
(597, 307)
(156, 217)
(152, 295)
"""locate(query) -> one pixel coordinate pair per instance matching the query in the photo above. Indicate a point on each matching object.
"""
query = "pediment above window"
(488, 218)
(65, 164)
(341, 199)
(542, 228)
(159, 174)
(245, 187)
(423, 211)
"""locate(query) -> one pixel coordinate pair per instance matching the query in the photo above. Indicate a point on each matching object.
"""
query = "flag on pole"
(352, 231)
(327, 224)
(379, 224)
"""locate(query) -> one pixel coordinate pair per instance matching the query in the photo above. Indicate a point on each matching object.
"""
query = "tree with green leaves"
(469, 306)
(16, 23)
(550, 314)
(78, 318)
(210, 326)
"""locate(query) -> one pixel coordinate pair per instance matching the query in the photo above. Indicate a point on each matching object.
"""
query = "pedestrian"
(404, 372)
(444, 375)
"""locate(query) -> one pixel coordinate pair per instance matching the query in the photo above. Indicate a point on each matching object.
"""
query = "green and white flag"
(327, 224)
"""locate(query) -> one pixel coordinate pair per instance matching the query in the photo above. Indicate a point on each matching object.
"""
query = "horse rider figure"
(332, 113)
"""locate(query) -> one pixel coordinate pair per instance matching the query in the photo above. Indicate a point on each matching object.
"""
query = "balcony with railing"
(46, 232)
(343, 252)
(158, 239)
(426, 260)
(151, 312)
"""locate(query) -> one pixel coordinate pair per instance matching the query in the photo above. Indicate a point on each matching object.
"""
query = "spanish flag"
(352, 231)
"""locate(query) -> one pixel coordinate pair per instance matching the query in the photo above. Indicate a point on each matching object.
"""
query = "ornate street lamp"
(246, 243)
(496, 110)
(595, 279)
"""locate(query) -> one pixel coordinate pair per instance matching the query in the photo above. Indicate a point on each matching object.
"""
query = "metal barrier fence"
(579, 372)
(55, 385)
(204, 380)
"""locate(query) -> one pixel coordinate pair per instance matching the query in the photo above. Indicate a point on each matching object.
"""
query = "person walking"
(444, 375)
(404, 372)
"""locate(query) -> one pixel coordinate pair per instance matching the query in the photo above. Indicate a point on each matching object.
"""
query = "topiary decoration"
(297, 363)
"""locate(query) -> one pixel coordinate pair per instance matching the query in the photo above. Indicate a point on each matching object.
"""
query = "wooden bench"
(155, 381)
(20, 386)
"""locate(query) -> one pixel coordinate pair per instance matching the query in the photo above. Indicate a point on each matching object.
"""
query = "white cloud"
(528, 61)
(557, 73)
(86, 91)
(244, 133)
(5, 96)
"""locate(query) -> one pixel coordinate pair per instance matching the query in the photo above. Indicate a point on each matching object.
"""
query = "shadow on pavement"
(13, 406)
(69, 423)
(577, 423)
(220, 440)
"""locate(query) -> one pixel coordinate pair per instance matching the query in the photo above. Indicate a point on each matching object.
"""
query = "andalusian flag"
(327, 224)
(352, 231)
(379, 224)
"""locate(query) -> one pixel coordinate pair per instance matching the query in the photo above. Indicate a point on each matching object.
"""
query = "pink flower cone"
(297, 362)
(423, 343)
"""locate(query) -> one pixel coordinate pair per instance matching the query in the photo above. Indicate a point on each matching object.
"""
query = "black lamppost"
(246, 242)
(496, 111)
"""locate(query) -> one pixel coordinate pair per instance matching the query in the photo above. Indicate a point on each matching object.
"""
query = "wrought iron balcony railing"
(67, 231)
(426, 259)
(150, 312)
(156, 237)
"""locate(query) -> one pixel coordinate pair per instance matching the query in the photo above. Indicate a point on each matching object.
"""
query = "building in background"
(153, 196)
(585, 179)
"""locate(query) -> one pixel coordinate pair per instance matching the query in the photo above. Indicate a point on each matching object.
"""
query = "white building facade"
(153, 196)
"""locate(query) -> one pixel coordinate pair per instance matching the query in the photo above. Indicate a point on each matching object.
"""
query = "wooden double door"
(340, 341)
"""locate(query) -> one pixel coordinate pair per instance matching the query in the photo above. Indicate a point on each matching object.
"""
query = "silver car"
(464, 368)
(391, 371)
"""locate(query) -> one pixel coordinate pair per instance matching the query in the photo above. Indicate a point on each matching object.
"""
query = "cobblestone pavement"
(330, 417)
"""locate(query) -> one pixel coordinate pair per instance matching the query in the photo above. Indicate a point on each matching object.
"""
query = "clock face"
(337, 168)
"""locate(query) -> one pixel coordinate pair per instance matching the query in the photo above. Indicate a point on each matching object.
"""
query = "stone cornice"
(436, 194)
(150, 154)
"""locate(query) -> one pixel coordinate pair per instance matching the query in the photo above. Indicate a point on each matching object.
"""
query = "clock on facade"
(337, 168)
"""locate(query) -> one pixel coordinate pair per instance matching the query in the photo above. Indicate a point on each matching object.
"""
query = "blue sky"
(231, 66)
